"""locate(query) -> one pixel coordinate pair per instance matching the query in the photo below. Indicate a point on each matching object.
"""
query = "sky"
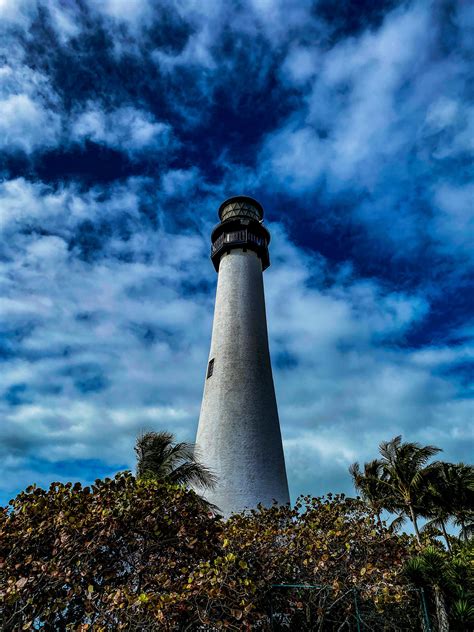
(123, 126)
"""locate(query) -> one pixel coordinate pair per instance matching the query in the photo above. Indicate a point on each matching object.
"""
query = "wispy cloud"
(126, 128)
(123, 125)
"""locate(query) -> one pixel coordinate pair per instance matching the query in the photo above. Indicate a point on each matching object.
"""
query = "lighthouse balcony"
(237, 237)
(242, 238)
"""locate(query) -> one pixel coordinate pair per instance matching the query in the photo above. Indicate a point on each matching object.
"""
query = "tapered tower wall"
(239, 435)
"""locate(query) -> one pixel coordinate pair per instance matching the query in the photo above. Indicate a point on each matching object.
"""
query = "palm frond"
(192, 473)
(463, 611)
(159, 457)
(414, 569)
(397, 523)
(388, 449)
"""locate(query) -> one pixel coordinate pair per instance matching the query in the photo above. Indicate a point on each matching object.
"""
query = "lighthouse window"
(210, 368)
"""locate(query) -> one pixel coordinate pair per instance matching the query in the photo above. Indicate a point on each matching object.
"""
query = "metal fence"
(305, 607)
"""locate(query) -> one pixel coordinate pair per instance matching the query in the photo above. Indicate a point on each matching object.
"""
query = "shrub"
(145, 555)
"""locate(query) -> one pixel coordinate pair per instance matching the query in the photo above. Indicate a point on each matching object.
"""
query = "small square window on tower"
(210, 368)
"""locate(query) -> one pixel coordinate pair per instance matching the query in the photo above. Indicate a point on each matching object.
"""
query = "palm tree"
(159, 457)
(406, 474)
(371, 487)
(431, 568)
(450, 495)
(438, 500)
(450, 578)
(461, 489)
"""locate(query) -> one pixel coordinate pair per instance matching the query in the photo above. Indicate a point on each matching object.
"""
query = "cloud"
(179, 181)
(84, 372)
(125, 128)
(28, 117)
(359, 80)
(300, 65)
(384, 116)
(131, 11)
(126, 124)
(32, 118)
(24, 203)
(17, 12)
(26, 125)
(103, 348)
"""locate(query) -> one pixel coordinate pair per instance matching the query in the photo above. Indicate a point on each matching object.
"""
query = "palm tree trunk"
(379, 519)
(445, 534)
(441, 614)
(415, 524)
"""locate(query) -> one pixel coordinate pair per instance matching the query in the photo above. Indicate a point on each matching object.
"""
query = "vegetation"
(405, 482)
(372, 486)
(145, 553)
(449, 495)
(161, 459)
(449, 579)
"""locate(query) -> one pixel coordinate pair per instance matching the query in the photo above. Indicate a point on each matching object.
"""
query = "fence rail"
(314, 607)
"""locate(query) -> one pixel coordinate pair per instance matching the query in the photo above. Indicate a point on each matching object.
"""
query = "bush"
(143, 555)
(113, 556)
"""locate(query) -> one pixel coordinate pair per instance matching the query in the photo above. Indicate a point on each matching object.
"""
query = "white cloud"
(196, 52)
(29, 119)
(118, 344)
(17, 11)
(101, 345)
(125, 128)
(298, 157)
(26, 125)
(375, 123)
(22, 202)
(130, 11)
(179, 181)
(353, 123)
(32, 116)
(280, 19)
(64, 21)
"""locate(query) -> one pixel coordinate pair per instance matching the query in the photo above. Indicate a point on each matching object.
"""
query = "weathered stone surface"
(239, 432)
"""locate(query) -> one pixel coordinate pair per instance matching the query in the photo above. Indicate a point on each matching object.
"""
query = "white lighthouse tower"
(239, 435)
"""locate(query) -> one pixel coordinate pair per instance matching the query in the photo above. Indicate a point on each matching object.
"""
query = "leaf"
(21, 582)
(90, 588)
(237, 614)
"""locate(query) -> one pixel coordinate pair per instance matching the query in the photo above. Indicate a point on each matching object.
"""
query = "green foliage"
(463, 613)
(450, 580)
(405, 482)
(146, 555)
(372, 485)
(111, 556)
(407, 475)
(160, 457)
(335, 544)
(450, 495)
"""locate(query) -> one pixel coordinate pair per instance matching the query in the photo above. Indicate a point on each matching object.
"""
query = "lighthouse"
(238, 435)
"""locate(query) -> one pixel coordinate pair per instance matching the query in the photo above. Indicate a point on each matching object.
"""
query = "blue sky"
(125, 123)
